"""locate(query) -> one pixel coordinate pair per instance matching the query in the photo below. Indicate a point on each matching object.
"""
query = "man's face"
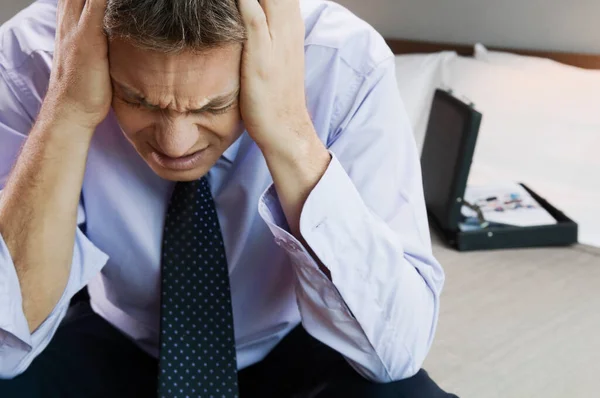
(179, 111)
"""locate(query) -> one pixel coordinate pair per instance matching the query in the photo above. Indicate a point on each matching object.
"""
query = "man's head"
(175, 70)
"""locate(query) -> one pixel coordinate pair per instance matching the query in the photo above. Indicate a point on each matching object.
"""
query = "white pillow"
(539, 127)
(418, 75)
(523, 62)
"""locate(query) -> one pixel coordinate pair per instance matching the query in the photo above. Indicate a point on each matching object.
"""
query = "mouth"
(186, 162)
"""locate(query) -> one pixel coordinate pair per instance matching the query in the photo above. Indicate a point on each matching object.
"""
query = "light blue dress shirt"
(365, 220)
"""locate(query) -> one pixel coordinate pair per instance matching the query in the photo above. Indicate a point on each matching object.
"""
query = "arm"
(368, 285)
(38, 208)
(365, 222)
(25, 288)
(39, 203)
(273, 103)
(38, 212)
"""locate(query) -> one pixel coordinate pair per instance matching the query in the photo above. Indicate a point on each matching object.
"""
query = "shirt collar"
(231, 152)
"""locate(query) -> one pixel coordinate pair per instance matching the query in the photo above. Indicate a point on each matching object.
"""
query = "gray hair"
(172, 26)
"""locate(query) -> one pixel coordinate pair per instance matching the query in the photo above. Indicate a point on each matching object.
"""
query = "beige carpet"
(519, 323)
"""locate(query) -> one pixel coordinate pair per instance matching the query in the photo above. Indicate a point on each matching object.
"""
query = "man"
(137, 140)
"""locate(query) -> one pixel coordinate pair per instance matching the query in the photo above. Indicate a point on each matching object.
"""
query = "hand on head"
(80, 87)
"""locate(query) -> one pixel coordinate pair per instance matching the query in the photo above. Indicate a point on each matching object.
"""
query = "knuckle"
(257, 21)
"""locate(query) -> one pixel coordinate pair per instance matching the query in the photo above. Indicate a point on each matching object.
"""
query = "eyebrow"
(217, 102)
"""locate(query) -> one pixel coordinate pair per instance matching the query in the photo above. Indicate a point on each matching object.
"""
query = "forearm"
(38, 211)
(296, 169)
(296, 166)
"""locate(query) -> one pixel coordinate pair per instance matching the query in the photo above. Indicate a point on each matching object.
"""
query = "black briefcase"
(446, 160)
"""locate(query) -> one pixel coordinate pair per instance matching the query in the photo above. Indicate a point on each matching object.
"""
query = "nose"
(177, 137)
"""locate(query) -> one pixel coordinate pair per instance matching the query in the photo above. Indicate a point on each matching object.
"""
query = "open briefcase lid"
(447, 155)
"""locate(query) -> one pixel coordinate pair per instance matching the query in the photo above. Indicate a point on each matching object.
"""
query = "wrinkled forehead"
(184, 75)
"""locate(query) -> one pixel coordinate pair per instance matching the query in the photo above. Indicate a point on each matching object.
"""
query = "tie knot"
(191, 190)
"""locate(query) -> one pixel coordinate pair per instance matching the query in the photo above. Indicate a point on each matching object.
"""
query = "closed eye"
(216, 111)
(132, 104)
(213, 111)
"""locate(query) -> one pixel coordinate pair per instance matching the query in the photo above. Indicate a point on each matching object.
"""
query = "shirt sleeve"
(18, 347)
(366, 222)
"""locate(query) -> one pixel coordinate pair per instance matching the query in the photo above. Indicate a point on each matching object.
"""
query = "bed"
(519, 323)
(541, 117)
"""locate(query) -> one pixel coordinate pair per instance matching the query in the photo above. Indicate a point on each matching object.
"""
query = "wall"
(565, 26)
(8, 8)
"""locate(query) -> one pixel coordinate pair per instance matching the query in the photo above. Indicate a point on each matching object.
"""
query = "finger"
(93, 12)
(68, 13)
(255, 22)
(282, 15)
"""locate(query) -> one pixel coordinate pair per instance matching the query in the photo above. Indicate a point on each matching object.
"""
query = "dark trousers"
(89, 358)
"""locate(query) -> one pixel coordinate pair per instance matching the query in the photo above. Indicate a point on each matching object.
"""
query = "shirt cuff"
(18, 346)
(272, 213)
(322, 206)
(14, 329)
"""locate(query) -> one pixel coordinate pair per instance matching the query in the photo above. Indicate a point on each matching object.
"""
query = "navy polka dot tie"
(197, 346)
